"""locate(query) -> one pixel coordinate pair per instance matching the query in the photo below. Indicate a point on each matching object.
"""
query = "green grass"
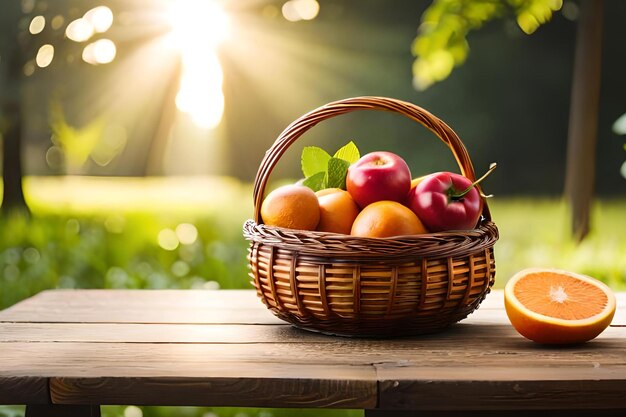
(104, 233)
(536, 233)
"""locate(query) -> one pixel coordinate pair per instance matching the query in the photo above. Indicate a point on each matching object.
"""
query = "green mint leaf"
(316, 181)
(314, 160)
(348, 153)
(337, 170)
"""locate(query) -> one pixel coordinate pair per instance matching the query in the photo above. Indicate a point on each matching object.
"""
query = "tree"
(442, 44)
(11, 113)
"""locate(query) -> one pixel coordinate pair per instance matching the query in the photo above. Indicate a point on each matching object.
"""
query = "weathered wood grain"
(295, 359)
(299, 392)
(497, 388)
(18, 390)
(155, 333)
(142, 360)
(141, 306)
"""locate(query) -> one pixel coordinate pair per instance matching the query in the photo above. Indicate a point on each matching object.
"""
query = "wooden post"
(583, 119)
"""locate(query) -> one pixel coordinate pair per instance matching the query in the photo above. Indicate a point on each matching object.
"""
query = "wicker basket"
(369, 287)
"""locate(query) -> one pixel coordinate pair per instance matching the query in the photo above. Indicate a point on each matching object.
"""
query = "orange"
(386, 219)
(337, 210)
(558, 307)
(291, 206)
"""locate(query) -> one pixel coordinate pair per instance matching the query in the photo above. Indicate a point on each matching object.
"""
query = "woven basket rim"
(340, 246)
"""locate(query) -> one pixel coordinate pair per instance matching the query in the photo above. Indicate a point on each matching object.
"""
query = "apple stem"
(467, 190)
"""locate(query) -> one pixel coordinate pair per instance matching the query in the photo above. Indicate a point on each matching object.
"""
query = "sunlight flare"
(197, 32)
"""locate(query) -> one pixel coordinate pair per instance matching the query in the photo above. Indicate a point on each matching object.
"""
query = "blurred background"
(131, 130)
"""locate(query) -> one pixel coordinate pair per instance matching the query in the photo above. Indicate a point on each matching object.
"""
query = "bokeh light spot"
(133, 411)
(55, 157)
(31, 255)
(29, 68)
(167, 239)
(57, 22)
(211, 285)
(570, 10)
(101, 18)
(72, 227)
(66, 281)
(102, 51)
(37, 25)
(116, 277)
(619, 126)
(28, 6)
(180, 268)
(45, 55)
(186, 233)
(79, 30)
(295, 10)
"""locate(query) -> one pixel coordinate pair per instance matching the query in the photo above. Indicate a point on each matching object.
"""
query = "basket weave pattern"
(369, 287)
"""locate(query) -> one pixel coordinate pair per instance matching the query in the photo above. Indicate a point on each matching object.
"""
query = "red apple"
(378, 176)
(448, 201)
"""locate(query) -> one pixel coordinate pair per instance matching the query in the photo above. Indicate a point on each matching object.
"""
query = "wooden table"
(66, 352)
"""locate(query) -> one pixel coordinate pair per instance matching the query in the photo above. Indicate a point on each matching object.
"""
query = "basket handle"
(336, 108)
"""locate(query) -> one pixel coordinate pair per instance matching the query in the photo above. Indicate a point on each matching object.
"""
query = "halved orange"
(552, 306)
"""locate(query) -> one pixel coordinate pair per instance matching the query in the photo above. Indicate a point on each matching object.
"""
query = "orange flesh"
(560, 296)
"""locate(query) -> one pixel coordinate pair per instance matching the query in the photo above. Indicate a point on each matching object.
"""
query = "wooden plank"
(23, 390)
(156, 333)
(495, 329)
(295, 359)
(411, 372)
(141, 306)
(185, 306)
(491, 388)
(299, 392)
(140, 360)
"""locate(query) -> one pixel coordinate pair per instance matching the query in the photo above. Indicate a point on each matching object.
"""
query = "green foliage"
(348, 152)
(120, 250)
(314, 160)
(441, 43)
(323, 171)
(336, 174)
